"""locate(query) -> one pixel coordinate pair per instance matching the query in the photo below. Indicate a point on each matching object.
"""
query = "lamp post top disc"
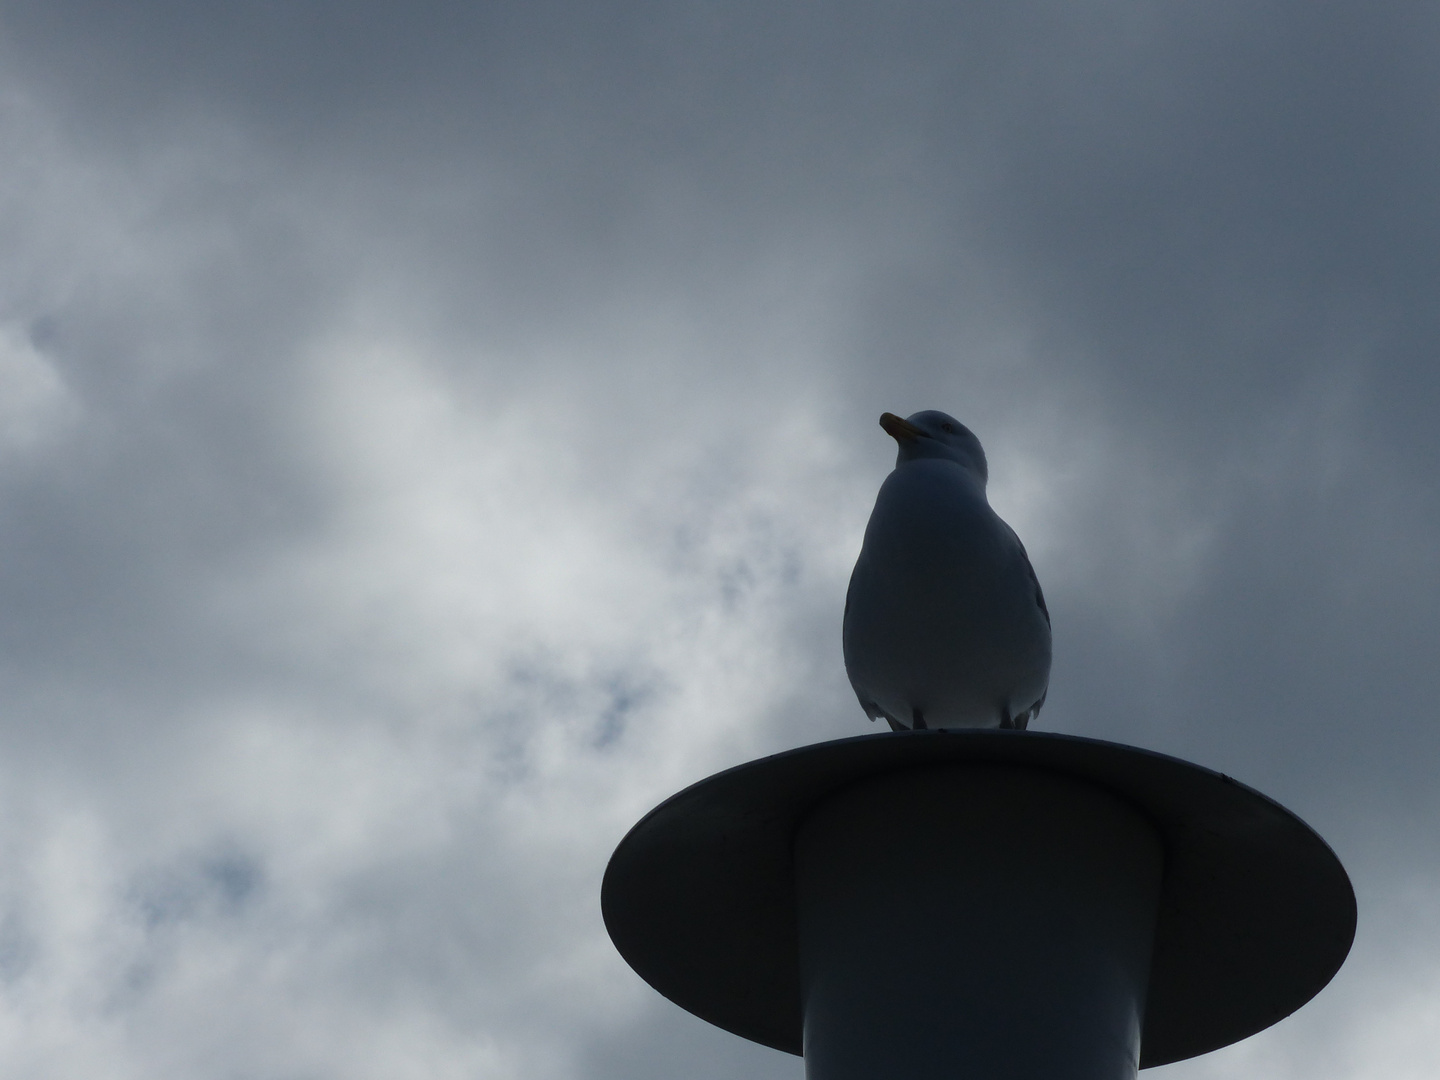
(1256, 912)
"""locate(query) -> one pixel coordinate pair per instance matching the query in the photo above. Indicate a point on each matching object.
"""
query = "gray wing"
(872, 710)
(1031, 713)
(1029, 569)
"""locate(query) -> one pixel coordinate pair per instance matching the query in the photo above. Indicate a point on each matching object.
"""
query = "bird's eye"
(948, 428)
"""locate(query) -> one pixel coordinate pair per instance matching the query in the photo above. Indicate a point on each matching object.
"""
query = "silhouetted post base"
(979, 905)
(975, 921)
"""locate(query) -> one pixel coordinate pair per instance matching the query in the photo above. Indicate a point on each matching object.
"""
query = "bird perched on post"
(945, 623)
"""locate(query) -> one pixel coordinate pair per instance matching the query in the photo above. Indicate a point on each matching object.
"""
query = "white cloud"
(36, 406)
(403, 492)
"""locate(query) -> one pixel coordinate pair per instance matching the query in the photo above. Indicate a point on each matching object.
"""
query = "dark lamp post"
(987, 904)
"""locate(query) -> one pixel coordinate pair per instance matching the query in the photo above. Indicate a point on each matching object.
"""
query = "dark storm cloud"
(476, 416)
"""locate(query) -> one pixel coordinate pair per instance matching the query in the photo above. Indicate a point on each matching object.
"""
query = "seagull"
(945, 623)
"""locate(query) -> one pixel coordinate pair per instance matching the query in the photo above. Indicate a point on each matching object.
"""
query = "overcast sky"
(432, 434)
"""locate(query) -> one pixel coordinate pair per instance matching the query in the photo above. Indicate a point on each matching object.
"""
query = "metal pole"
(982, 921)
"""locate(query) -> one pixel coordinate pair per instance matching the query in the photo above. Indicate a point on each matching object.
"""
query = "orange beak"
(898, 428)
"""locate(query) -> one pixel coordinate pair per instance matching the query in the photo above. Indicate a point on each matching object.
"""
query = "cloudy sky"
(432, 434)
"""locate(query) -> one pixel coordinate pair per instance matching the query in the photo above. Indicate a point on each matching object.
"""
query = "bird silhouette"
(945, 622)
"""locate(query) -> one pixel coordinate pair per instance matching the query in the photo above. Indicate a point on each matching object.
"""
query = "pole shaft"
(979, 921)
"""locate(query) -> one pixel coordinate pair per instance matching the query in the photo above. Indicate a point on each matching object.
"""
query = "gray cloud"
(428, 438)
